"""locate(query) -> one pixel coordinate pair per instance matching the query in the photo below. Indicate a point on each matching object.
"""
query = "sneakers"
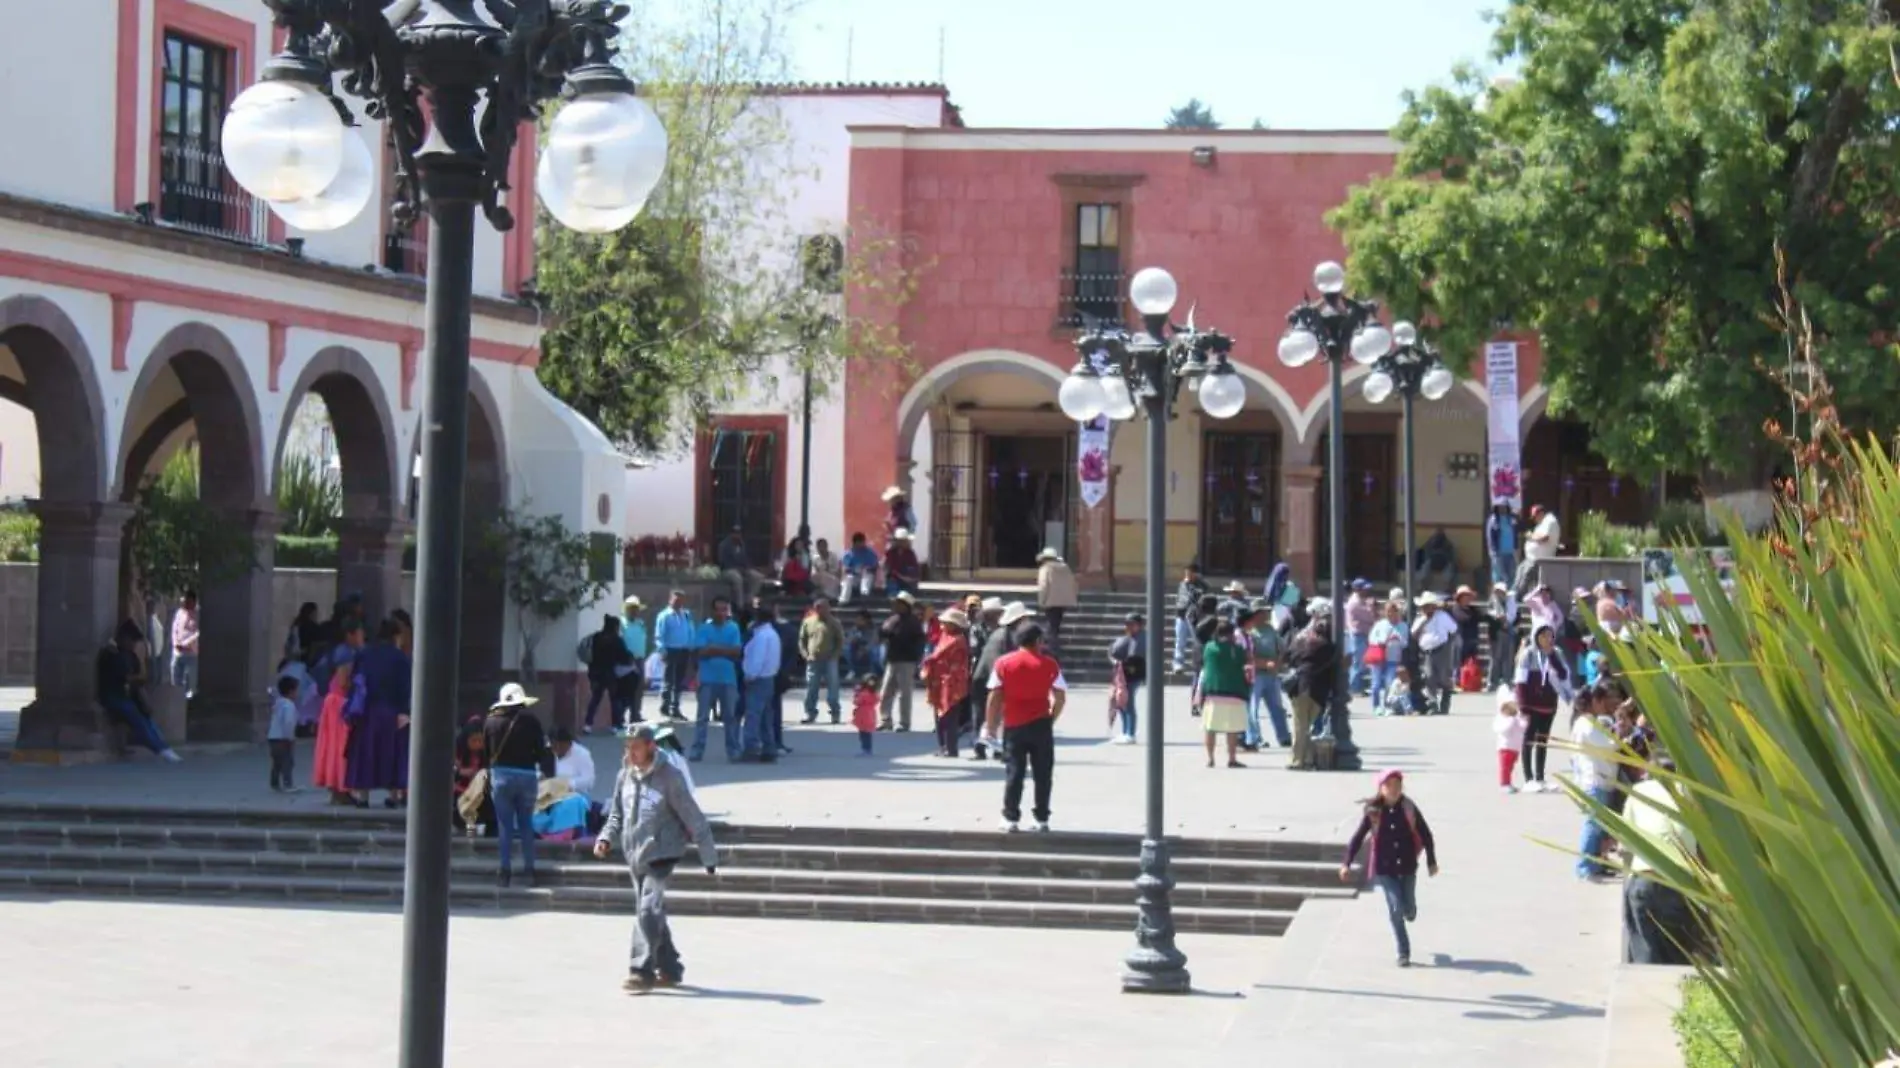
(170, 756)
(1041, 827)
(1535, 786)
(1508, 788)
(637, 984)
(1405, 961)
(1009, 827)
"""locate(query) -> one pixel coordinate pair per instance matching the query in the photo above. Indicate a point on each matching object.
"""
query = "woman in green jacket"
(1224, 692)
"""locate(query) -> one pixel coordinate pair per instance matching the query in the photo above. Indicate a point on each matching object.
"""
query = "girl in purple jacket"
(1399, 834)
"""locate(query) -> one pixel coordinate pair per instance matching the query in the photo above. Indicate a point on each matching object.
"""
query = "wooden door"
(1371, 487)
(1240, 506)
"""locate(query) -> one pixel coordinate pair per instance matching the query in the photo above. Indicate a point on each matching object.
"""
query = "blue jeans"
(759, 738)
(723, 696)
(1503, 567)
(143, 729)
(821, 671)
(1382, 676)
(1266, 691)
(185, 672)
(863, 659)
(1183, 640)
(1357, 679)
(1593, 835)
(1401, 906)
(1127, 713)
(513, 790)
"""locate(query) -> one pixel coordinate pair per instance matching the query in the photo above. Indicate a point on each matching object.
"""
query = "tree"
(697, 301)
(1637, 196)
(548, 571)
(1192, 115)
(178, 543)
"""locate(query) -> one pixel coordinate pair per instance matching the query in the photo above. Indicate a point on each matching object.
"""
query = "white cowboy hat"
(1014, 612)
(901, 534)
(1429, 599)
(633, 601)
(892, 493)
(954, 617)
(1319, 606)
(992, 604)
(904, 596)
(513, 696)
(1235, 586)
(1048, 554)
(1397, 594)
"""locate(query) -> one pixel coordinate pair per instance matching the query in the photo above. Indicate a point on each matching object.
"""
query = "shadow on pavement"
(1480, 967)
(1523, 1008)
(743, 995)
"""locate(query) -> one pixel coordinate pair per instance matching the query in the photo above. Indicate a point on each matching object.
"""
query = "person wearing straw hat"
(1055, 591)
(633, 680)
(898, 514)
(902, 570)
(518, 754)
(1436, 634)
(946, 673)
(652, 818)
(903, 635)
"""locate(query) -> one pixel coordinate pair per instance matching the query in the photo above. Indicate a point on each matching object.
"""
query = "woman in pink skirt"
(333, 730)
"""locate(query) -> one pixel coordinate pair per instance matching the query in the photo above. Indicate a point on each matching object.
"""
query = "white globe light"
(1371, 342)
(1404, 333)
(1153, 291)
(1378, 387)
(1329, 278)
(1118, 403)
(1298, 347)
(604, 156)
(1082, 397)
(345, 197)
(1222, 394)
(282, 141)
(1437, 383)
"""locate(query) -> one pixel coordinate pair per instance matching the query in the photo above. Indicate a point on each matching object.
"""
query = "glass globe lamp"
(1298, 347)
(1118, 403)
(1329, 278)
(1378, 387)
(1437, 383)
(1082, 397)
(1222, 392)
(1153, 291)
(342, 200)
(282, 140)
(1371, 342)
(604, 156)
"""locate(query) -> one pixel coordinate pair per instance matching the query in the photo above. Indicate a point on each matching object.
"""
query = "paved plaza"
(1516, 956)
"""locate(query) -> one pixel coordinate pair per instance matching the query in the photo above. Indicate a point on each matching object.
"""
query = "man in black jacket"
(1315, 663)
(997, 643)
(903, 636)
(1187, 613)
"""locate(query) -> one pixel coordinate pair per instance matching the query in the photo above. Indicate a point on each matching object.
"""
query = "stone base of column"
(77, 608)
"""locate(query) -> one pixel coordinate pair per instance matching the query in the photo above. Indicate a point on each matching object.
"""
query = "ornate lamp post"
(1412, 369)
(1336, 327)
(1119, 374)
(480, 74)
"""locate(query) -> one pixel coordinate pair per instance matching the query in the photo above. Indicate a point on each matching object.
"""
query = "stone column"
(1299, 488)
(369, 562)
(1096, 545)
(240, 641)
(78, 610)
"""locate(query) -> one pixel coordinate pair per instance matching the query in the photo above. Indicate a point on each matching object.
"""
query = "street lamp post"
(1120, 373)
(453, 84)
(1336, 327)
(1412, 369)
(810, 334)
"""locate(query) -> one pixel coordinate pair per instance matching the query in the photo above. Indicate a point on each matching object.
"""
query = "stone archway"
(371, 530)
(237, 621)
(80, 528)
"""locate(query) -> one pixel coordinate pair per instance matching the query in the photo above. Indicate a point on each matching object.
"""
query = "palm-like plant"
(1786, 740)
(309, 497)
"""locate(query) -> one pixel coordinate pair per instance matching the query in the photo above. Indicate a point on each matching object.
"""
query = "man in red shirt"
(1027, 692)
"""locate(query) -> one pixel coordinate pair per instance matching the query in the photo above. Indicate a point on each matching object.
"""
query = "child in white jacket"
(1509, 727)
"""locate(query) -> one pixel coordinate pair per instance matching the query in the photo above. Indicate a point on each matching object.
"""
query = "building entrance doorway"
(1239, 506)
(1025, 493)
(1370, 487)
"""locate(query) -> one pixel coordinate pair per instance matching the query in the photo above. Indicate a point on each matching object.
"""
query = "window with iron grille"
(193, 189)
(1098, 264)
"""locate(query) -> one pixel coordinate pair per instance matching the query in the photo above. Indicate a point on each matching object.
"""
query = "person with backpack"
(1398, 833)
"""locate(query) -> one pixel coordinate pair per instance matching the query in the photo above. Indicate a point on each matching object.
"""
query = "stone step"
(683, 902)
(258, 828)
(37, 839)
(612, 874)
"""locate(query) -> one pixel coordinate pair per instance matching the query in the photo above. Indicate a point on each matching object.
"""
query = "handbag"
(1470, 676)
(1375, 655)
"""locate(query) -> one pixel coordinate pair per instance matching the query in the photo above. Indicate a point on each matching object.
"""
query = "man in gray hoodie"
(652, 816)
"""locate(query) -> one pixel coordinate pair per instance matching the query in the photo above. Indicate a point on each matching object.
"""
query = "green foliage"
(1194, 115)
(19, 536)
(1788, 767)
(1704, 1032)
(1597, 537)
(301, 550)
(1626, 198)
(545, 569)
(690, 306)
(177, 542)
(309, 497)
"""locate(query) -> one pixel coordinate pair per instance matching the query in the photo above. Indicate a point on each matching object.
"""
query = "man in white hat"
(632, 685)
(899, 515)
(989, 642)
(902, 570)
(1055, 591)
(1435, 633)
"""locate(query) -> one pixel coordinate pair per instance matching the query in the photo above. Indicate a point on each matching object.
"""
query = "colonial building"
(145, 300)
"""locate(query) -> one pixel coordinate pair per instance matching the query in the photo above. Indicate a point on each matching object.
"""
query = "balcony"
(1091, 301)
(195, 193)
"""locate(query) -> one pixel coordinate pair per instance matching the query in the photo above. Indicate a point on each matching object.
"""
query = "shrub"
(296, 550)
(1704, 1032)
(309, 497)
(1598, 537)
(19, 537)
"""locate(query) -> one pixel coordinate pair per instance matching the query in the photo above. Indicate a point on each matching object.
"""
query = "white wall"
(57, 82)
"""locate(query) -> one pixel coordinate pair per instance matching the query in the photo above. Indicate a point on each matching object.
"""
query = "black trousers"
(949, 725)
(283, 759)
(678, 661)
(1029, 749)
(1055, 622)
(1536, 743)
(1659, 924)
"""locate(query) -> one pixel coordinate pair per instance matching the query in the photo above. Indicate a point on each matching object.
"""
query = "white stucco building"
(747, 465)
(145, 300)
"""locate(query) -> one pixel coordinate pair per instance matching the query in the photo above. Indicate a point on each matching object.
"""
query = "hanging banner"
(1500, 376)
(1091, 461)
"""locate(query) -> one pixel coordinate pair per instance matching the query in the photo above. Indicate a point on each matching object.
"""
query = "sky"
(1316, 64)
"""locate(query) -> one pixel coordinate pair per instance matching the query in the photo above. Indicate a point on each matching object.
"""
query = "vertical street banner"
(1091, 461)
(1506, 479)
